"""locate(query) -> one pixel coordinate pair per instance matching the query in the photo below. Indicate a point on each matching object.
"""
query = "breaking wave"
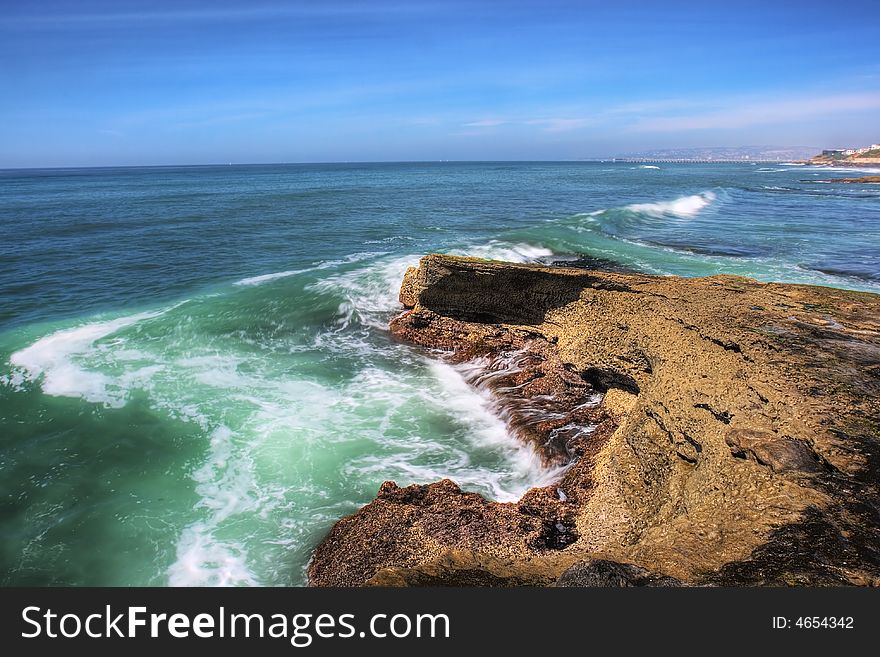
(684, 207)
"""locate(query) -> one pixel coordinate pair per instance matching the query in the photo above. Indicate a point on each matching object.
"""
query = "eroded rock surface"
(737, 440)
(603, 573)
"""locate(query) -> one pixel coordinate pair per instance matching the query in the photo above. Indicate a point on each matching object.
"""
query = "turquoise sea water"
(196, 380)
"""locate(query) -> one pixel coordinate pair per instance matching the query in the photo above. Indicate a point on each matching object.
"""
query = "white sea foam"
(53, 361)
(593, 213)
(648, 166)
(232, 486)
(69, 363)
(685, 207)
(266, 278)
(369, 293)
(225, 484)
(477, 406)
(15, 379)
(327, 264)
(202, 561)
(496, 250)
(418, 459)
(91, 363)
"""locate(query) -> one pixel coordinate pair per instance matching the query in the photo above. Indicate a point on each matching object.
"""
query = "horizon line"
(623, 159)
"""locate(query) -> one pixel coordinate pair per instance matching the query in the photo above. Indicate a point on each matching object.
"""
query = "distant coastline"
(865, 156)
(849, 157)
(815, 161)
(698, 160)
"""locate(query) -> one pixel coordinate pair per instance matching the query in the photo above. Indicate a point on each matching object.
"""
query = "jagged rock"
(738, 441)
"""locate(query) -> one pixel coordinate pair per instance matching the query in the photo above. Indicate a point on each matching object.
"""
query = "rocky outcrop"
(862, 180)
(737, 440)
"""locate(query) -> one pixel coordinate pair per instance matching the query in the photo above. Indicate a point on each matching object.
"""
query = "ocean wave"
(684, 207)
(98, 363)
(487, 429)
(368, 294)
(266, 278)
(53, 361)
(475, 419)
(327, 264)
(506, 251)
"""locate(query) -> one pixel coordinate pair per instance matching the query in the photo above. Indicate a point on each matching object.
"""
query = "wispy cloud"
(690, 114)
(485, 123)
(744, 114)
(551, 124)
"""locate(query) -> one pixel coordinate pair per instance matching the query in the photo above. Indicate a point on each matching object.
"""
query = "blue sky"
(112, 83)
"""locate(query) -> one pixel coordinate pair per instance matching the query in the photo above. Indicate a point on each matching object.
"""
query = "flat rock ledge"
(737, 440)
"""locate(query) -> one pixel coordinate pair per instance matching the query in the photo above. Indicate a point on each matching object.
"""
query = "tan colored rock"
(738, 441)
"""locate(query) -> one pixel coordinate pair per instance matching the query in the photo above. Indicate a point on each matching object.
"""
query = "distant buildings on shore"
(844, 152)
(756, 153)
